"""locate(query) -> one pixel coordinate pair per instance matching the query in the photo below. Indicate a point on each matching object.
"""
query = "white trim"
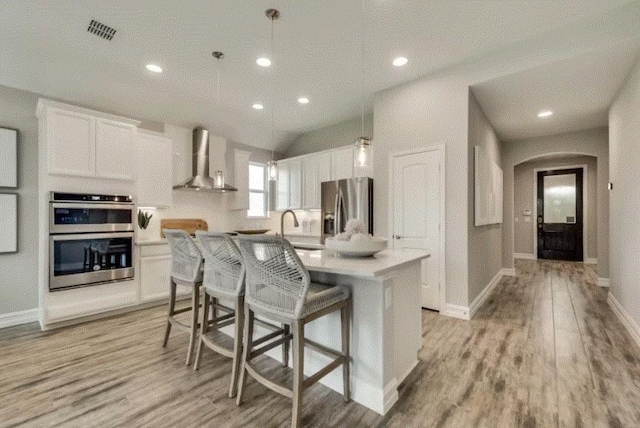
(390, 396)
(18, 318)
(591, 261)
(632, 327)
(440, 148)
(508, 272)
(585, 207)
(604, 282)
(484, 294)
(525, 256)
(455, 311)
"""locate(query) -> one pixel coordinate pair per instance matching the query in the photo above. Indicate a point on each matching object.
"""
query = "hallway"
(546, 350)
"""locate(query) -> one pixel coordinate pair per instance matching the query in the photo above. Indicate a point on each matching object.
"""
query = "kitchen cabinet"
(316, 168)
(241, 180)
(86, 143)
(155, 170)
(282, 186)
(115, 150)
(289, 185)
(154, 271)
(295, 184)
(70, 143)
(342, 163)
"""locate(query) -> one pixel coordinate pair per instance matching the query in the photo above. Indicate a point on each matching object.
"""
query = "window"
(258, 191)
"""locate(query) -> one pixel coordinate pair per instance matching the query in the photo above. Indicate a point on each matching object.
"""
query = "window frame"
(265, 192)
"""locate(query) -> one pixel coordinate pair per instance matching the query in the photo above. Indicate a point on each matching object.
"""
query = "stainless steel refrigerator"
(343, 200)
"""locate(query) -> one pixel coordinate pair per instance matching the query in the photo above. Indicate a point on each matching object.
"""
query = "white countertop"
(368, 267)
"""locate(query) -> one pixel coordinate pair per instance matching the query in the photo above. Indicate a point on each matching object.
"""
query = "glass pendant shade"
(362, 152)
(272, 170)
(219, 180)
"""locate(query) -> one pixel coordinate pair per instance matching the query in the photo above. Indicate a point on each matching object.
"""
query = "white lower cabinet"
(154, 271)
(155, 274)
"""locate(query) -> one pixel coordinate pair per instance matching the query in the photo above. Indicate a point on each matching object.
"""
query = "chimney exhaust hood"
(201, 180)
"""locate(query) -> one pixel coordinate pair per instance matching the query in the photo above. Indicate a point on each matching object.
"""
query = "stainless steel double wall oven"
(91, 239)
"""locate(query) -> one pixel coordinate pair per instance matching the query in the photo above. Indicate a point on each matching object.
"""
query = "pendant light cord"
(273, 90)
(362, 70)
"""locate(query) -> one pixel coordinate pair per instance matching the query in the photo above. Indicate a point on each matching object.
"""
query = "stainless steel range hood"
(201, 179)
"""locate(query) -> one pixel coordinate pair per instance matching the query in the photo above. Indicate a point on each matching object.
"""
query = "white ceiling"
(578, 90)
(45, 48)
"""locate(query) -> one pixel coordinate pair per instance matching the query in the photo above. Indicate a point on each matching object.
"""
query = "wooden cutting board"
(190, 225)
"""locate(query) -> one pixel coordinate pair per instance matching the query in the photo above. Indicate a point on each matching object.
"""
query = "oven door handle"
(90, 206)
(86, 236)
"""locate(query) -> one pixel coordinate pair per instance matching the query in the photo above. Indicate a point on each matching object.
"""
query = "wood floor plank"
(544, 351)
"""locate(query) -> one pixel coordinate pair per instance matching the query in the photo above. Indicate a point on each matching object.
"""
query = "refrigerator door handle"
(336, 218)
(340, 208)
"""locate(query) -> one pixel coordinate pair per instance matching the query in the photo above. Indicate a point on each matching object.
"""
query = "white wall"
(590, 142)
(425, 113)
(524, 179)
(485, 242)
(624, 142)
(330, 137)
(19, 272)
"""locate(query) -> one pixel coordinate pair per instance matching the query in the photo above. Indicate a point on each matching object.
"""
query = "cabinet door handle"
(397, 236)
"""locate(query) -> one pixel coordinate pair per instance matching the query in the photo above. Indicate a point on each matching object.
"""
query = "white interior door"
(416, 214)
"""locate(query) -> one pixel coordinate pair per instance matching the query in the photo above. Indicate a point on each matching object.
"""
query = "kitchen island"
(386, 332)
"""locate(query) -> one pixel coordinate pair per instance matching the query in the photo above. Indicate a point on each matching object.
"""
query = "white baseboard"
(484, 294)
(456, 311)
(19, 318)
(625, 318)
(590, 261)
(604, 282)
(525, 256)
(508, 272)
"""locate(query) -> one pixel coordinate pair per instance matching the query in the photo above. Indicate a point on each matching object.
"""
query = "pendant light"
(272, 165)
(362, 149)
(218, 178)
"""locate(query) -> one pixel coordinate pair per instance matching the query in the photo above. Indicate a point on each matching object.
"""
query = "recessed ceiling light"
(258, 106)
(263, 62)
(154, 68)
(400, 61)
(303, 100)
(545, 113)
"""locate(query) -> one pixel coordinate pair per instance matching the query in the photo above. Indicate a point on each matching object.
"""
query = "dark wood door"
(559, 221)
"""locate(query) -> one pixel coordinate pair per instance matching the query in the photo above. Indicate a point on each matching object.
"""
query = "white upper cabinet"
(86, 143)
(316, 168)
(282, 186)
(155, 170)
(115, 150)
(241, 177)
(71, 146)
(342, 163)
(295, 184)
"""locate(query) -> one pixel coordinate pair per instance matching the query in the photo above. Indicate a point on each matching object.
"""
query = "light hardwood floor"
(545, 350)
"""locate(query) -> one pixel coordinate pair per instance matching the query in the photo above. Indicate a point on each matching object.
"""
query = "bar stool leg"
(195, 306)
(204, 328)
(237, 346)
(285, 346)
(298, 372)
(246, 352)
(344, 318)
(172, 307)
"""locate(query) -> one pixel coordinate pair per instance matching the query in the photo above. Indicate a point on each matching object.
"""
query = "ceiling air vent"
(101, 30)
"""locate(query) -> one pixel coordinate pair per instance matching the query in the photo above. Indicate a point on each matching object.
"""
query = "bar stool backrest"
(186, 258)
(277, 281)
(224, 271)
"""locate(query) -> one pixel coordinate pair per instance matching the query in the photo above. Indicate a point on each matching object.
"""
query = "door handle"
(397, 237)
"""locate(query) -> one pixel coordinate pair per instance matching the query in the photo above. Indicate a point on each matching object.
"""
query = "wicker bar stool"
(223, 278)
(278, 287)
(186, 270)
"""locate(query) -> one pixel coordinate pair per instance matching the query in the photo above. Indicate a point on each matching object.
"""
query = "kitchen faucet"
(295, 221)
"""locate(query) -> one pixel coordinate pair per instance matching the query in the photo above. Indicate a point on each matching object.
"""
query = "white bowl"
(356, 248)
